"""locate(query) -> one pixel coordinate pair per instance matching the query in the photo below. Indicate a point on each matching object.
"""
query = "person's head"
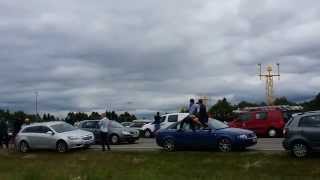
(158, 113)
(27, 120)
(200, 101)
(191, 101)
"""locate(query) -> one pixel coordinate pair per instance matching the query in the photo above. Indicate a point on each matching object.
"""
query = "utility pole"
(37, 94)
(269, 81)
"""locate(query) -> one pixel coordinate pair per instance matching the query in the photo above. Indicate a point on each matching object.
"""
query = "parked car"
(264, 122)
(166, 121)
(126, 124)
(138, 124)
(117, 132)
(52, 135)
(302, 134)
(217, 135)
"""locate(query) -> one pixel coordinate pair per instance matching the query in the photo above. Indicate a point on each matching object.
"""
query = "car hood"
(236, 131)
(78, 132)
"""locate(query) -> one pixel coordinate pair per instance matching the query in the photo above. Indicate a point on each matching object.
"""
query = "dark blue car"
(216, 136)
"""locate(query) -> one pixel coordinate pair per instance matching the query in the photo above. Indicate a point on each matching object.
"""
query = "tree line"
(223, 110)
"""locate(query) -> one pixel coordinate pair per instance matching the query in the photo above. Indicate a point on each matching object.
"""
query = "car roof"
(175, 114)
(45, 123)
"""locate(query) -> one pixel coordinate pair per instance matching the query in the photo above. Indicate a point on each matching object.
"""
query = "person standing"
(203, 116)
(104, 133)
(4, 136)
(157, 121)
(193, 107)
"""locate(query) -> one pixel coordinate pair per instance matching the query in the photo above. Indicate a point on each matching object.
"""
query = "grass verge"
(87, 165)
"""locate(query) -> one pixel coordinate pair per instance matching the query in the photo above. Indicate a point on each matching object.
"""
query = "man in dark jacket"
(157, 121)
(4, 137)
(203, 116)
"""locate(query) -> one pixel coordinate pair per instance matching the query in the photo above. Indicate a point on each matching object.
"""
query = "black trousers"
(105, 140)
(4, 139)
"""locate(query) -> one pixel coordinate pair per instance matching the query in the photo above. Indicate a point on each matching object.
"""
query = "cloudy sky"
(151, 55)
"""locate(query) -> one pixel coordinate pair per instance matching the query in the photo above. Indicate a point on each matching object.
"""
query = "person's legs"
(103, 140)
(7, 141)
(107, 141)
(1, 140)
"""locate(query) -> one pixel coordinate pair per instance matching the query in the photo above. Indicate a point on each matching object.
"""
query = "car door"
(186, 137)
(206, 138)
(260, 123)
(310, 129)
(45, 139)
(32, 136)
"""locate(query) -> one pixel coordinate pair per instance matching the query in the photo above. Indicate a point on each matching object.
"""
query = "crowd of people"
(7, 136)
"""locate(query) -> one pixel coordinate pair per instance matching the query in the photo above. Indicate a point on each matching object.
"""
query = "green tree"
(222, 110)
(312, 105)
(283, 101)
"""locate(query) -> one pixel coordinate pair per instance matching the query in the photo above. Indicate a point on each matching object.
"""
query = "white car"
(166, 121)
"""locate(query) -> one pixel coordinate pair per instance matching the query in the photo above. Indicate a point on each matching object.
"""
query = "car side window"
(44, 129)
(90, 124)
(33, 129)
(174, 126)
(310, 121)
(261, 116)
(115, 124)
(245, 117)
(173, 118)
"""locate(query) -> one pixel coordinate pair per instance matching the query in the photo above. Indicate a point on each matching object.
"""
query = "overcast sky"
(151, 55)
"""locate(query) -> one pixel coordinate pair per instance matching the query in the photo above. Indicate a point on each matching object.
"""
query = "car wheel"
(299, 150)
(23, 147)
(225, 145)
(62, 147)
(148, 133)
(114, 139)
(272, 133)
(169, 145)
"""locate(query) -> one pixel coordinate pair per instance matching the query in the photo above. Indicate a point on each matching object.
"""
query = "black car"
(302, 134)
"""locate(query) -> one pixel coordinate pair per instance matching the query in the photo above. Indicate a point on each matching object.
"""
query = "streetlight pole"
(36, 93)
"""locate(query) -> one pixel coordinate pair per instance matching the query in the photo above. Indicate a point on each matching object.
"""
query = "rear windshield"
(63, 127)
(138, 124)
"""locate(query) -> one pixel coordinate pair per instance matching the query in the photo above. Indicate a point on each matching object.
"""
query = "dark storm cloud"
(153, 55)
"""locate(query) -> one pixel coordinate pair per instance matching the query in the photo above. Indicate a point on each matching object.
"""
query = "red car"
(264, 122)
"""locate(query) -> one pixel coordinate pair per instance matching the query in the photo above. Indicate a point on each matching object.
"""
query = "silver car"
(52, 135)
(117, 132)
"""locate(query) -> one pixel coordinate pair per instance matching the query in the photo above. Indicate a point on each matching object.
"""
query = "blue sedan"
(217, 135)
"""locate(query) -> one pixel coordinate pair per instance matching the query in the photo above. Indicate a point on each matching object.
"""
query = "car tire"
(272, 133)
(169, 145)
(24, 147)
(147, 133)
(225, 145)
(299, 149)
(114, 139)
(62, 147)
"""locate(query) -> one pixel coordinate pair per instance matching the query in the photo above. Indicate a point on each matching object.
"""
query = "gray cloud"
(84, 56)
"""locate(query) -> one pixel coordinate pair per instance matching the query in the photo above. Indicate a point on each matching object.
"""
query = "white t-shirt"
(104, 125)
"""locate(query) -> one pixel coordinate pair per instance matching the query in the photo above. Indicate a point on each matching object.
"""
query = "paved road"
(264, 144)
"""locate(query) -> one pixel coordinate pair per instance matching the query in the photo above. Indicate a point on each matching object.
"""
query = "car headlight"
(73, 138)
(243, 136)
(125, 133)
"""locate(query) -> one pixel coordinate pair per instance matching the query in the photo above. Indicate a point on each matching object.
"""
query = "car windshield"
(137, 124)
(63, 127)
(215, 124)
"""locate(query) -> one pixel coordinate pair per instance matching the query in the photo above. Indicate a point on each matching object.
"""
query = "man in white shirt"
(104, 125)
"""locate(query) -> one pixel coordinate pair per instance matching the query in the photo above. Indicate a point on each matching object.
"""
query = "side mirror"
(50, 133)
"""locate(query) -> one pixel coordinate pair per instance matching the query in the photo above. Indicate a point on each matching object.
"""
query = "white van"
(166, 121)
